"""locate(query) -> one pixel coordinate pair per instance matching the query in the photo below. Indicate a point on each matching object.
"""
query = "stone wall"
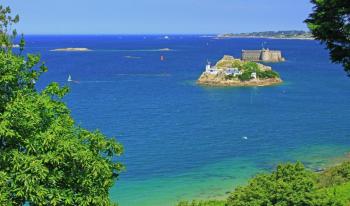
(251, 55)
(262, 55)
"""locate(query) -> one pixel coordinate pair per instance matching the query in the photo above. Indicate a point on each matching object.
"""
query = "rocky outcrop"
(220, 82)
(234, 72)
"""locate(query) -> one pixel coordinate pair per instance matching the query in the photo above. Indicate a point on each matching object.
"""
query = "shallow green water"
(214, 181)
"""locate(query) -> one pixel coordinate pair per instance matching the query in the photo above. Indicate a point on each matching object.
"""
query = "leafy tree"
(45, 159)
(6, 34)
(290, 184)
(330, 23)
(4, 190)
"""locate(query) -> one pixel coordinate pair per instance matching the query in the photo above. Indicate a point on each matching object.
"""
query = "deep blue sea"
(185, 141)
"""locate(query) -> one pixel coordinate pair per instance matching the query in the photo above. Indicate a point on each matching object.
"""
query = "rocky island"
(72, 50)
(235, 72)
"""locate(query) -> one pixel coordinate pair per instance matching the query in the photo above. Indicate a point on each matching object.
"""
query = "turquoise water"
(184, 141)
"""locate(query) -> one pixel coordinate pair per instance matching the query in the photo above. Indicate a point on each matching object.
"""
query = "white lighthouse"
(210, 70)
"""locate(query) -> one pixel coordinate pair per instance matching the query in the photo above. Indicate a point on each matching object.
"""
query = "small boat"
(166, 37)
(69, 78)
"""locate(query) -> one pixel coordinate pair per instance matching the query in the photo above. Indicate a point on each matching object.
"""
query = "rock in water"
(234, 72)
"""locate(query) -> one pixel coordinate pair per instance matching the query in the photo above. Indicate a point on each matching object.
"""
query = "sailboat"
(69, 78)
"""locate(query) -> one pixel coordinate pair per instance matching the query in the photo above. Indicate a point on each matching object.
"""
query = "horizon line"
(113, 34)
(158, 34)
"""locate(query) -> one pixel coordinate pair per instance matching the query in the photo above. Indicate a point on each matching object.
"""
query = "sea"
(184, 141)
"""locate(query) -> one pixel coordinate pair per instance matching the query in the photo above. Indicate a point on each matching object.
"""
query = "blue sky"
(158, 16)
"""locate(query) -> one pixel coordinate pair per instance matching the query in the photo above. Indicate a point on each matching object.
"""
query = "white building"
(233, 71)
(211, 70)
(253, 75)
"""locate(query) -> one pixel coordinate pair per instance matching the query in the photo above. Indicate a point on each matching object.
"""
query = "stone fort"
(262, 55)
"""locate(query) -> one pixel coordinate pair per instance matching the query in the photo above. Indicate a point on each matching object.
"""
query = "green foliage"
(335, 175)
(248, 68)
(6, 21)
(203, 203)
(45, 159)
(48, 159)
(330, 23)
(267, 74)
(251, 67)
(339, 192)
(4, 189)
(290, 184)
(335, 181)
(245, 76)
(17, 73)
(237, 64)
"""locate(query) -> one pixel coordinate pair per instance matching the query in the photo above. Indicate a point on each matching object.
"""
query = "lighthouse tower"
(208, 67)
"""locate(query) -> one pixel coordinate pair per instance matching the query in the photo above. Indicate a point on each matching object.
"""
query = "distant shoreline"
(263, 37)
(288, 34)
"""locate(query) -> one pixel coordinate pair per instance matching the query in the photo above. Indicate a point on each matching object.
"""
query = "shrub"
(290, 184)
(237, 64)
(203, 203)
(335, 175)
(251, 66)
(245, 76)
(267, 74)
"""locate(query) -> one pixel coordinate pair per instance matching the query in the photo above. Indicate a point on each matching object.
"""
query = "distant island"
(235, 72)
(72, 49)
(165, 49)
(292, 34)
(132, 57)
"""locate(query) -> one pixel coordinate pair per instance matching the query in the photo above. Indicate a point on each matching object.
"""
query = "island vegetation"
(235, 72)
(292, 34)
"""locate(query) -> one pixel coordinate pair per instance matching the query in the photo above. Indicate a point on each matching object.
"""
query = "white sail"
(69, 78)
